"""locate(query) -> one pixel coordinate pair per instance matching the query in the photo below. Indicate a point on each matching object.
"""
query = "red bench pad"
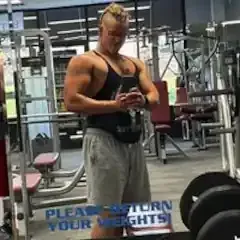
(162, 128)
(32, 181)
(45, 160)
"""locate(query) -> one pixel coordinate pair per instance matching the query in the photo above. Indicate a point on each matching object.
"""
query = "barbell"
(203, 201)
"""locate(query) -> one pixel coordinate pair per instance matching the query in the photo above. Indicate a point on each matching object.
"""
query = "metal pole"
(137, 27)
(224, 109)
(237, 118)
(9, 163)
(212, 6)
(26, 150)
(155, 57)
(52, 92)
(211, 33)
(203, 64)
(86, 28)
(24, 188)
(18, 110)
(185, 43)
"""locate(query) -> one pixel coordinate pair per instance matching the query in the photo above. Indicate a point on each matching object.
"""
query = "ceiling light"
(36, 44)
(131, 8)
(30, 18)
(31, 38)
(94, 38)
(71, 21)
(75, 38)
(139, 20)
(36, 38)
(5, 2)
(45, 29)
(54, 37)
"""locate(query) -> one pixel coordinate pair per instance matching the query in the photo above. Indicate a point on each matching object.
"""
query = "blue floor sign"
(76, 218)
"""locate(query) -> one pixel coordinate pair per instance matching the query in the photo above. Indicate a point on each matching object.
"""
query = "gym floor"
(167, 183)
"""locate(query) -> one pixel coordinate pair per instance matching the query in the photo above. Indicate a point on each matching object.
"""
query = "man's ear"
(100, 29)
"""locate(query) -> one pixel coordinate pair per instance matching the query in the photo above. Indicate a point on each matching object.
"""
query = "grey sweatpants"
(116, 172)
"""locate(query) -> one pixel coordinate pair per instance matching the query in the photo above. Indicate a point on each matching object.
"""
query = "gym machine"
(36, 73)
(210, 205)
(24, 185)
(29, 182)
(153, 65)
(33, 192)
(36, 66)
(198, 111)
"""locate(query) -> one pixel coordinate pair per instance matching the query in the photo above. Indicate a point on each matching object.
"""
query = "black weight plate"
(222, 226)
(211, 202)
(199, 185)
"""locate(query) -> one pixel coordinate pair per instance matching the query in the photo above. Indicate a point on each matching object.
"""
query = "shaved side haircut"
(115, 11)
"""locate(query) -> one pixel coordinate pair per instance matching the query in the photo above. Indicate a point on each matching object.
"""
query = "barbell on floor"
(204, 199)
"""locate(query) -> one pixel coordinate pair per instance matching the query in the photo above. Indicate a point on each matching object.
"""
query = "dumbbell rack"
(70, 132)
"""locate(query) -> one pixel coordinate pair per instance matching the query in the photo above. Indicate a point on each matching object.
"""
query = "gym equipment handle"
(212, 125)
(223, 131)
(211, 93)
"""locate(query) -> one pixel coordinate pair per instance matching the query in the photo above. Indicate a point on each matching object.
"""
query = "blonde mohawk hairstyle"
(117, 11)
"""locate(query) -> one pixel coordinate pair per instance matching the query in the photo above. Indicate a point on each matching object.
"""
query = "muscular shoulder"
(139, 63)
(83, 61)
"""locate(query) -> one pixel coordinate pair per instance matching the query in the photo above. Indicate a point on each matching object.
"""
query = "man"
(111, 89)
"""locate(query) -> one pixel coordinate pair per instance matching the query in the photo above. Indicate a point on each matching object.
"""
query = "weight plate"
(199, 185)
(222, 226)
(210, 203)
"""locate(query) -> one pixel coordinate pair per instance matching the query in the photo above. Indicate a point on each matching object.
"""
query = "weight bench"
(161, 120)
(44, 163)
(196, 113)
(32, 183)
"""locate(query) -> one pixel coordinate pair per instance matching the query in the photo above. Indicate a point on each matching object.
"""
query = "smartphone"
(127, 84)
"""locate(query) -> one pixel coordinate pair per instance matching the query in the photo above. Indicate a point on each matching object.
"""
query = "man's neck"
(100, 49)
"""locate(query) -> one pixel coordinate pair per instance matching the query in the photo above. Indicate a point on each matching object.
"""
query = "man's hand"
(146, 86)
(121, 101)
(135, 99)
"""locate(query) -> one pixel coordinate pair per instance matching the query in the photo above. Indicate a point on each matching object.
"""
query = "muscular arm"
(147, 86)
(77, 80)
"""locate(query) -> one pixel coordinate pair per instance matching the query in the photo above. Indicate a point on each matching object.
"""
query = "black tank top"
(124, 126)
